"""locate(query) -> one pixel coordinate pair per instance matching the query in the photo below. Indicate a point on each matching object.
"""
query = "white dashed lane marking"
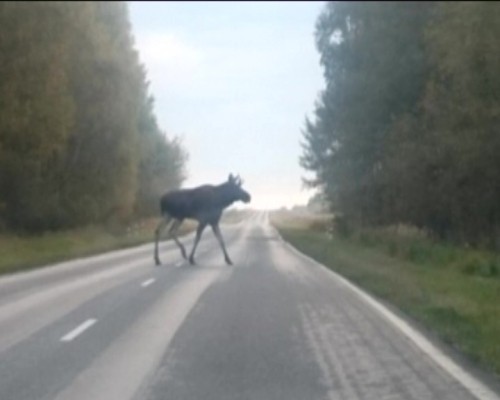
(78, 330)
(148, 282)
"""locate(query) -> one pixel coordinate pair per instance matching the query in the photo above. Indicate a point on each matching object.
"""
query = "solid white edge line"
(478, 389)
(78, 330)
(148, 282)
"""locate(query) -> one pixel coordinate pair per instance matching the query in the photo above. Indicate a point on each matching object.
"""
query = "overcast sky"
(235, 80)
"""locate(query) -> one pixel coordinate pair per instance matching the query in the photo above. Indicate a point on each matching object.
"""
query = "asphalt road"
(276, 325)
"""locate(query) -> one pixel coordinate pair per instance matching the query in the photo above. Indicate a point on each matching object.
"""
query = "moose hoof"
(191, 261)
(157, 262)
(229, 262)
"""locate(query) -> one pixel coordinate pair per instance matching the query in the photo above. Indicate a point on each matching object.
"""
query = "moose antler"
(238, 180)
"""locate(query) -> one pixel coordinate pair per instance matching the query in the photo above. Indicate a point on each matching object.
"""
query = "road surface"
(276, 325)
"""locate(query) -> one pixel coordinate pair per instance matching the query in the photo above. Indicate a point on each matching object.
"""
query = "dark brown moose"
(204, 204)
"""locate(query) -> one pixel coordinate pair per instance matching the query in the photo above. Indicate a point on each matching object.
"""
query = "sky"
(235, 81)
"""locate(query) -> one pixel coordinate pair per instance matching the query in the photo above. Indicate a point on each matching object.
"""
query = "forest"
(79, 141)
(406, 130)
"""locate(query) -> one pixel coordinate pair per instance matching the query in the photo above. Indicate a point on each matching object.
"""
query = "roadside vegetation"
(80, 144)
(82, 155)
(451, 290)
(24, 252)
(21, 253)
(406, 128)
(403, 147)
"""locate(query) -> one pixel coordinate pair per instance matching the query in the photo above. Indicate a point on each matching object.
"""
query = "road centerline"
(78, 330)
(148, 282)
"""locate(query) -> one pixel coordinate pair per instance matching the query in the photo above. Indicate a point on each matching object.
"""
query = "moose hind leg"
(161, 226)
(218, 235)
(173, 231)
(199, 231)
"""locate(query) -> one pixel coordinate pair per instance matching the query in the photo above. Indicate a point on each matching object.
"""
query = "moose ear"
(231, 178)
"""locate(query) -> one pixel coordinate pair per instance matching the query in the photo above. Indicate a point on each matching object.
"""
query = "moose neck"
(225, 196)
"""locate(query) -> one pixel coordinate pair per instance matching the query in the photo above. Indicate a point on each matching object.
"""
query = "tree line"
(407, 127)
(79, 141)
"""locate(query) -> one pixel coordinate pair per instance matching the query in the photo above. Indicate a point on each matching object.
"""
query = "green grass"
(452, 291)
(19, 253)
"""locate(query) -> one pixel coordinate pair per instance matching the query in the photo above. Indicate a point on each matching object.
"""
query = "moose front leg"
(218, 235)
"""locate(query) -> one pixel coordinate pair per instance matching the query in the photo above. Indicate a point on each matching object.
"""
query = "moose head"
(235, 191)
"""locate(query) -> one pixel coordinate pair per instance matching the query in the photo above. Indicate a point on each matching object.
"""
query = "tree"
(406, 128)
(36, 110)
(161, 164)
(79, 142)
(101, 159)
(462, 111)
(374, 67)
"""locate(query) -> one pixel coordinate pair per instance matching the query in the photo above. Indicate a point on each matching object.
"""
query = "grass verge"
(18, 253)
(452, 291)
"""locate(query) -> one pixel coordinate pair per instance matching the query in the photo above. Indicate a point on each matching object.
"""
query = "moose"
(204, 204)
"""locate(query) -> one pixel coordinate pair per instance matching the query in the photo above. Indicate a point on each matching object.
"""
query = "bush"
(477, 266)
(342, 227)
